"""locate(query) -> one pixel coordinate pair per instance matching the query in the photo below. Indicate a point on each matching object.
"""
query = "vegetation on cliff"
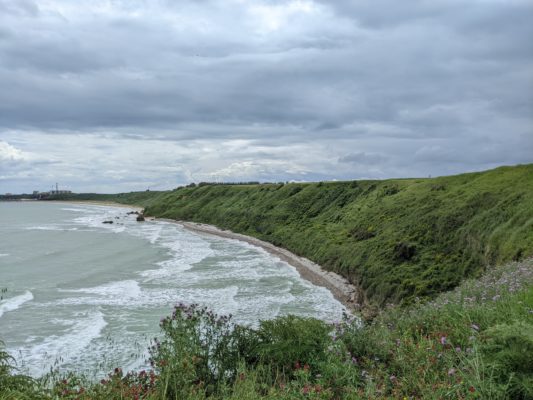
(397, 239)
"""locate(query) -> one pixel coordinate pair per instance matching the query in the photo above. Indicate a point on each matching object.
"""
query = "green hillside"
(397, 239)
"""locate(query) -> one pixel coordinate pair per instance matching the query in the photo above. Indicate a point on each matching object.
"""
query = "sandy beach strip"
(100, 203)
(342, 290)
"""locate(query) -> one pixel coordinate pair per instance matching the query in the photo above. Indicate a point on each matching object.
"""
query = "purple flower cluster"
(492, 286)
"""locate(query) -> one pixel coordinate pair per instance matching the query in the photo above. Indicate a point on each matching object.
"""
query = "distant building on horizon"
(56, 192)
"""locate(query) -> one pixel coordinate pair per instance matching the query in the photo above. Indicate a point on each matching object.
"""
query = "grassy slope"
(397, 239)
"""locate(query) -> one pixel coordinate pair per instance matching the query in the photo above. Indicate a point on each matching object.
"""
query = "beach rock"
(132, 212)
(107, 222)
(140, 218)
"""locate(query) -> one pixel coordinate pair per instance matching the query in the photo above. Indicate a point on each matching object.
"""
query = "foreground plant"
(473, 343)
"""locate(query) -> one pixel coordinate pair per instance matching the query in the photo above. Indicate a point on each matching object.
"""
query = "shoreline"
(343, 291)
(100, 203)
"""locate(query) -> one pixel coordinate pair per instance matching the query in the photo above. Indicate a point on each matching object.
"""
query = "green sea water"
(88, 296)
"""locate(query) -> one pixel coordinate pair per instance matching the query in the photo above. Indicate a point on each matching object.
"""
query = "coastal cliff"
(396, 239)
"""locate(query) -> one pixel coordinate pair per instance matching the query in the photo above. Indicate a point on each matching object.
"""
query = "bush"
(199, 350)
(289, 341)
(509, 351)
(13, 385)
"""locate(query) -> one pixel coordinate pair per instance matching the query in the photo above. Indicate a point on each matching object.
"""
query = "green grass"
(396, 239)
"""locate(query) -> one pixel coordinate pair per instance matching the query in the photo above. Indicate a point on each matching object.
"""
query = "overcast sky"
(120, 95)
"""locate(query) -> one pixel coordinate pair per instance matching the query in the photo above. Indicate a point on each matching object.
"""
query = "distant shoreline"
(98, 203)
(343, 291)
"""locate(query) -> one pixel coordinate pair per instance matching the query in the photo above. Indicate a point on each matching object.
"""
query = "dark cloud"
(19, 8)
(362, 158)
(366, 83)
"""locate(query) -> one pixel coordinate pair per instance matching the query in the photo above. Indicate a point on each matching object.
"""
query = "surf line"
(342, 290)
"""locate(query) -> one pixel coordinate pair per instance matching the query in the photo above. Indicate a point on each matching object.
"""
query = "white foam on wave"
(14, 303)
(150, 231)
(49, 228)
(167, 269)
(66, 347)
(257, 304)
(128, 294)
(184, 249)
(83, 210)
(125, 289)
(96, 215)
(4, 255)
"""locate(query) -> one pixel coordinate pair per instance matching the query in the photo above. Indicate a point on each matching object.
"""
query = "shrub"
(199, 349)
(509, 351)
(290, 340)
(12, 385)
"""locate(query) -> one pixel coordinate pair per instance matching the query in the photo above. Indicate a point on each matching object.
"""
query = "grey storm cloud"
(362, 158)
(268, 90)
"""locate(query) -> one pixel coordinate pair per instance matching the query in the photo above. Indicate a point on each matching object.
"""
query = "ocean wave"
(127, 294)
(184, 251)
(126, 290)
(49, 228)
(4, 255)
(14, 303)
(64, 348)
(83, 210)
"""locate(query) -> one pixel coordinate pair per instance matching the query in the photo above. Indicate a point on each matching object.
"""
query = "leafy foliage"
(397, 239)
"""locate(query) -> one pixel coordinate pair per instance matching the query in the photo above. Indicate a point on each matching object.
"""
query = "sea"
(81, 295)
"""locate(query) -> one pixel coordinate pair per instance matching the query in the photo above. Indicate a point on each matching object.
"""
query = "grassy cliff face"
(397, 239)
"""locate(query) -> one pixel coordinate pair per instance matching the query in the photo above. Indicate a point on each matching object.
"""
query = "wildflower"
(354, 360)
(471, 389)
(475, 327)
(451, 371)
(392, 378)
(458, 349)
(443, 340)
